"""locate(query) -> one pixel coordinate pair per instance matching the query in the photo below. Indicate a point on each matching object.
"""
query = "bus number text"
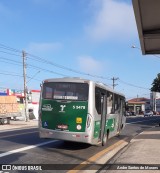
(79, 107)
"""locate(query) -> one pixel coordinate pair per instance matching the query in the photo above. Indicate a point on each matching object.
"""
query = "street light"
(135, 47)
(153, 93)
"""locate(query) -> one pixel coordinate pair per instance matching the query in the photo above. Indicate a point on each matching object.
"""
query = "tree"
(156, 84)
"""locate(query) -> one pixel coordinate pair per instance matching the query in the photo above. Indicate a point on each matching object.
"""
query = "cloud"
(89, 65)
(44, 47)
(111, 19)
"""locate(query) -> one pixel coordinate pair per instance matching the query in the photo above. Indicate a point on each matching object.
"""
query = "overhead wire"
(42, 69)
(9, 48)
(37, 58)
(40, 59)
(133, 85)
(7, 59)
(10, 53)
(14, 74)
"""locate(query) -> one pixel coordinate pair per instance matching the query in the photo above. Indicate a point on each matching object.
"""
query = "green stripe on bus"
(110, 125)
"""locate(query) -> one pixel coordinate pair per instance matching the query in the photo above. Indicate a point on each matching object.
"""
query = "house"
(138, 105)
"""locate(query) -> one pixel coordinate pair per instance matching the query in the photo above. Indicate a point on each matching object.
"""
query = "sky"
(91, 39)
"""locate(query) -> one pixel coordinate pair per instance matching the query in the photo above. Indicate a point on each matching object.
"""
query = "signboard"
(14, 92)
(3, 92)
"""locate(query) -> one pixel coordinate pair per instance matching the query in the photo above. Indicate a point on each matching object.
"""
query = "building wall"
(35, 108)
(155, 101)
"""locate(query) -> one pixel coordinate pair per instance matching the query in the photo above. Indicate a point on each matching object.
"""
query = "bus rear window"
(65, 91)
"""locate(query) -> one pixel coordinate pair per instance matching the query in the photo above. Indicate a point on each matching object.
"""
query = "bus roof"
(66, 79)
(80, 80)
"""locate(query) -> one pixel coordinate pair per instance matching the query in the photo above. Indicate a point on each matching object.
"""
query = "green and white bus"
(79, 110)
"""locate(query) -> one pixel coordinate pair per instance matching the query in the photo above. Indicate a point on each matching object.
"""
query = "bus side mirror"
(40, 85)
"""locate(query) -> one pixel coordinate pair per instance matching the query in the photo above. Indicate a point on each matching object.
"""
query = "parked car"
(148, 113)
(133, 113)
(128, 113)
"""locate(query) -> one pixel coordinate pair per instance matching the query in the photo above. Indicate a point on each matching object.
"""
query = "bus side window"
(47, 94)
(98, 101)
(110, 103)
(124, 106)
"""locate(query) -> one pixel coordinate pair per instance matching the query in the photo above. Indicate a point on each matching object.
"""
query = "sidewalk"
(19, 124)
(143, 149)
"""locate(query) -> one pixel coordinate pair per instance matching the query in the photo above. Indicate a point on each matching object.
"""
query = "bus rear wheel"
(105, 138)
(2, 121)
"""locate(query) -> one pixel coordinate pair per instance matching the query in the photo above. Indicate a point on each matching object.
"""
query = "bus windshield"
(65, 91)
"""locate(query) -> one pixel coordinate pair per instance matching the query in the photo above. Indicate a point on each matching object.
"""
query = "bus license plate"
(63, 126)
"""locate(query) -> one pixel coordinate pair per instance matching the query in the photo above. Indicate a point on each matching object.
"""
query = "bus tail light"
(89, 120)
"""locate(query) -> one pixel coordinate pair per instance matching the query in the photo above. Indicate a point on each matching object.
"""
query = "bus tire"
(8, 120)
(105, 138)
(119, 132)
(2, 121)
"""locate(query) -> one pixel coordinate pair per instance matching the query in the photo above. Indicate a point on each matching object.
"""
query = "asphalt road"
(25, 146)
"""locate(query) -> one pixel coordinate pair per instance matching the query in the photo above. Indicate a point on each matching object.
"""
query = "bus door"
(103, 116)
(120, 114)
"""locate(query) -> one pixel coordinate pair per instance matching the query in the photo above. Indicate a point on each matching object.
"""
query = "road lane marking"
(97, 156)
(17, 129)
(141, 121)
(6, 136)
(26, 148)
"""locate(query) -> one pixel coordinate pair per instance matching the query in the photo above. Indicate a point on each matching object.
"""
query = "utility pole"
(154, 101)
(25, 86)
(114, 79)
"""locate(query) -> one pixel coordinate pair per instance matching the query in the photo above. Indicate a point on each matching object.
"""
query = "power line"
(10, 63)
(133, 85)
(10, 53)
(39, 68)
(7, 59)
(39, 59)
(28, 65)
(10, 74)
(9, 48)
(32, 77)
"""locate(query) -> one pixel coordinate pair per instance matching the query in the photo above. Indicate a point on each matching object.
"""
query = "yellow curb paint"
(95, 157)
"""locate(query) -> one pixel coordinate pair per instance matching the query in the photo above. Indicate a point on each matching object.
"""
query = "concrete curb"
(100, 158)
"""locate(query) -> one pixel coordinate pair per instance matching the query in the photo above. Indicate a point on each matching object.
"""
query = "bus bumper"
(67, 136)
